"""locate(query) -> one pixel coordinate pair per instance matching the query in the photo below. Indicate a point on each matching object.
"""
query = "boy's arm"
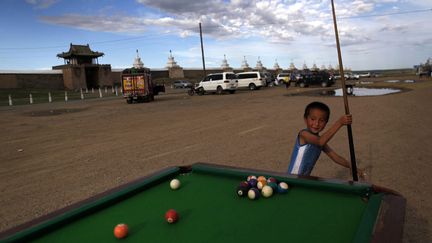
(342, 161)
(336, 157)
(322, 140)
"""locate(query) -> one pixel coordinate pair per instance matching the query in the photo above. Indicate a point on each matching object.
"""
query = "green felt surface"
(210, 211)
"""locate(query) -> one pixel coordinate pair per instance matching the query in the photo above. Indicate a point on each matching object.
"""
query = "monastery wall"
(31, 80)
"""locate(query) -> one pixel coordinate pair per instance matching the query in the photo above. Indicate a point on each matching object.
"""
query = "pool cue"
(341, 71)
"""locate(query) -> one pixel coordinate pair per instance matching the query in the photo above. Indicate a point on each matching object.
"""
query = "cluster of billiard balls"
(254, 187)
(171, 216)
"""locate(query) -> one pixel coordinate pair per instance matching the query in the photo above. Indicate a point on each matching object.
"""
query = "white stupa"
(314, 67)
(323, 67)
(276, 65)
(137, 62)
(171, 63)
(225, 64)
(259, 64)
(292, 66)
(244, 63)
(330, 67)
(305, 67)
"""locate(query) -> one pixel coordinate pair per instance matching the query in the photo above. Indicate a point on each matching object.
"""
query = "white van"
(219, 83)
(251, 80)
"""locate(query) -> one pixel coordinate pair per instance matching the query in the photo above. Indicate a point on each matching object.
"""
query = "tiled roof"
(80, 50)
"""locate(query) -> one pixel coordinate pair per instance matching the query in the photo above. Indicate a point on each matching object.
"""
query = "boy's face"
(316, 120)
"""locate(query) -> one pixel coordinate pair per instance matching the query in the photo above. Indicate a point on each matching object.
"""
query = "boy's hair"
(317, 105)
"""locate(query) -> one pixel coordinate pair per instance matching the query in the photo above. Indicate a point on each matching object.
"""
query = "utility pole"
(202, 51)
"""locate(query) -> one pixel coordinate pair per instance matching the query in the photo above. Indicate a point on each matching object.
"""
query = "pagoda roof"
(80, 50)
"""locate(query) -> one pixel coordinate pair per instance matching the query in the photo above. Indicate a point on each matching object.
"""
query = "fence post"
(100, 93)
(106, 89)
(116, 91)
(92, 90)
(66, 96)
(86, 90)
(112, 89)
(31, 98)
(10, 100)
(82, 95)
(49, 97)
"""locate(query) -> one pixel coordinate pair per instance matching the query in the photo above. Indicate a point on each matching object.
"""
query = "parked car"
(251, 80)
(314, 78)
(283, 77)
(365, 75)
(269, 78)
(218, 83)
(181, 84)
(353, 76)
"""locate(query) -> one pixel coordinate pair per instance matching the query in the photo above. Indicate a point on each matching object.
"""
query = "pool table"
(312, 210)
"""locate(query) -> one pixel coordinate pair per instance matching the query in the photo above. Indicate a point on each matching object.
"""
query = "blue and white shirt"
(303, 158)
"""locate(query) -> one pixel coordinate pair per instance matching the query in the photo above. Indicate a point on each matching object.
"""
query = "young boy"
(309, 143)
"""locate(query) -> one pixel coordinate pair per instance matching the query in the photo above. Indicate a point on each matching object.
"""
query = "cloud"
(276, 22)
(119, 24)
(42, 4)
(184, 6)
(400, 28)
(424, 43)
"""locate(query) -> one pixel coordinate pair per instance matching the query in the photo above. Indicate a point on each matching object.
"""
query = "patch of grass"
(22, 96)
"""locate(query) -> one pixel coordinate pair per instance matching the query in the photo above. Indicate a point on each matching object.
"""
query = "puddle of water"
(392, 81)
(397, 81)
(368, 91)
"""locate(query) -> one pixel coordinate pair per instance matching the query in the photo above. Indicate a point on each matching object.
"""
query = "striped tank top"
(303, 158)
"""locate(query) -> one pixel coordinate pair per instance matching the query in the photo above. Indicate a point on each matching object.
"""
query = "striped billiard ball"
(253, 193)
(272, 179)
(261, 184)
(283, 187)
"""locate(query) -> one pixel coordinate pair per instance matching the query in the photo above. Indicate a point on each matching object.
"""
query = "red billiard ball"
(171, 216)
(244, 184)
(272, 179)
(121, 231)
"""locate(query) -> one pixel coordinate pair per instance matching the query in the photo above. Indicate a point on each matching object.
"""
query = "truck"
(322, 78)
(138, 85)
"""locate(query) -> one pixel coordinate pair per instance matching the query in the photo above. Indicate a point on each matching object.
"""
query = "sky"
(373, 34)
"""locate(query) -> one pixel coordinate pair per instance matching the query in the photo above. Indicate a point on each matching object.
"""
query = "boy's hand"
(361, 174)
(345, 119)
(365, 173)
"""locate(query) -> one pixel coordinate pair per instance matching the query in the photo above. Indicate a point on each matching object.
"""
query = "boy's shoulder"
(305, 130)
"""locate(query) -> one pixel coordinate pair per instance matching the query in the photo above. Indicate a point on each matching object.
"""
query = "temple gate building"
(81, 68)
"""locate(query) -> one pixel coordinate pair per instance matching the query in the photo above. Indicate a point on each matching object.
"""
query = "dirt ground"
(53, 155)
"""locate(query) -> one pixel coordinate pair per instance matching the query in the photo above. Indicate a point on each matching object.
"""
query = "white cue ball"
(267, 191)
(175, 184)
